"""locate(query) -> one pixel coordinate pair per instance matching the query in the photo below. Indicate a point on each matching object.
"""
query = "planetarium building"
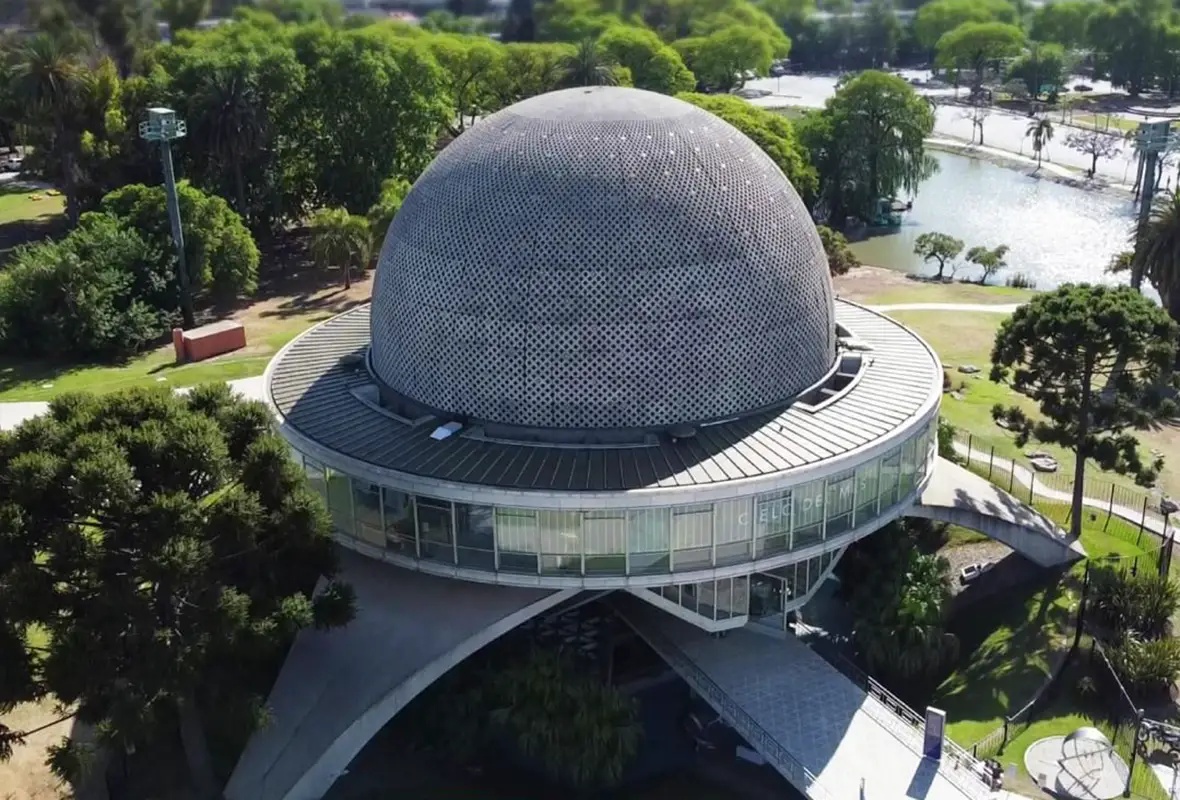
(603, 352)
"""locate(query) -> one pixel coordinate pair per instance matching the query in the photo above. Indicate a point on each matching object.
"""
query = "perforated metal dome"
(602, 258)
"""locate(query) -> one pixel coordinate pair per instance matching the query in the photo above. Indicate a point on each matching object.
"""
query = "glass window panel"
(890, 466)
(340, 501)
(604, 535)
(692, 534)
(516, 530)
(560, 531)
(766, 595)
(316, 477)
(906, 482)
(923, 454)
(399, 521)
(475, 534)
(648, 533)
(732, 529)
(808, 509)
(867, 478)
(434, 529)
(366, 506)
(740, 604)
(841, 492)
(772, 514)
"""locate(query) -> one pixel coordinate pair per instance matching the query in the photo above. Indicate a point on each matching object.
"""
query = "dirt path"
(25, 776)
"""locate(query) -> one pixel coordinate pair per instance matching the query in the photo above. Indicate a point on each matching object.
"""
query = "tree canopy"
(165, 545)
(939, 247)
(1095, 360)
(973, 45)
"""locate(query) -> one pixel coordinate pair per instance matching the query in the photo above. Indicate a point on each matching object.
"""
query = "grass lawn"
(922, 292)
(966, 338)
(1008, 647)
(21, 206)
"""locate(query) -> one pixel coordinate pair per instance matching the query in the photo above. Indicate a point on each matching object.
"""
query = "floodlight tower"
(1153, 139)
(162, 126)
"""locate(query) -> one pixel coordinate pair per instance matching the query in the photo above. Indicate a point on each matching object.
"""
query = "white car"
(973, 571)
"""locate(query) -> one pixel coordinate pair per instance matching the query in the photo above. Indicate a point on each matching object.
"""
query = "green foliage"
(940, 247)
(1094, 359)
(469, 68)
(589, 65)
(303, 11)
(1041, 131)
(936, 18)
(221, 254)
(946, 441)
(1157, 256)
(1062, 22)
(900, 600)
(720, 60)
(974, 45)
(1125, 602)
(841, 259)
(653, 65)
(990, 261)
(774, 133)
(867, 144)
(381, 214)
(182, 14)
(100, 293)
(1040, 65)
(340, 239)
(1146, 666)
(1131, 41)
(167, 545)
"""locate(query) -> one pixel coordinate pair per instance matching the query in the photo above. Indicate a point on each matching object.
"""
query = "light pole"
(162, 126)
(1153, 140)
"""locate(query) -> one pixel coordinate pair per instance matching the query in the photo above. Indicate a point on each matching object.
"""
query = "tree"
(1041, 131)
(1062, 22)
(168, 546)
(989, 261)
(880, 32)
(940, 247)
(841, 259)
(774, 133)
(653, 65)
(94, 294)
(393, 194)
(51, 81)
(235, 123)
(220, 253)
(1096, 144)
(588, 66)
(341, 239)
(1042, 66)
(1123, 35)
(977, 111)
(938, 17)
(1156, 255)
(974, 45)
(469, 65)
(868, 144)
(721, 59)
(1093, 359)
(182, 14)
(528, 70)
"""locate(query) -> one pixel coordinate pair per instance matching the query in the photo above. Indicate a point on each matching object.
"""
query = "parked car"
(973, 571)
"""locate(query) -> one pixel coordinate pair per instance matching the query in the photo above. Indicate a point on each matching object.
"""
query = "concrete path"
(992, 308)
(816, 727)
(1026, 478)
(13, 414)
(961, 497)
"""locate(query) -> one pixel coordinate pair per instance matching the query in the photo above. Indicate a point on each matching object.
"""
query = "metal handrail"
(737, 717)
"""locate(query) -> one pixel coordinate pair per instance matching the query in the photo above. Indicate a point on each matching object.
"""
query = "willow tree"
(1095, 359)
(867, 144)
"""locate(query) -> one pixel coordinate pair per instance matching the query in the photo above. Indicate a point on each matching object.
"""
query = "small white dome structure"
(1081, 765)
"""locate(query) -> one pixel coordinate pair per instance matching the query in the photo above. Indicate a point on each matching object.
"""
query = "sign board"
(932, 741)
(1153, 136)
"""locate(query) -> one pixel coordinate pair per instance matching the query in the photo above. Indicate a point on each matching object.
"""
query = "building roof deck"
(318, 386)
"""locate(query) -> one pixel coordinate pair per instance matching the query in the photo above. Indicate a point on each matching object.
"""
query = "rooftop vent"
(446, 431)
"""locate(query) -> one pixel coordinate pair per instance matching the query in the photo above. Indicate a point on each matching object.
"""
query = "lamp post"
(162, 126)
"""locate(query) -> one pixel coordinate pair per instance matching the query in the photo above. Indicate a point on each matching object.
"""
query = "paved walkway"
(816, 727)
(959, 496)
(1026, 478)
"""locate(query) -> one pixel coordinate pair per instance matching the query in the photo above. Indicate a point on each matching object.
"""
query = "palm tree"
(1041, 131)
(1157, 251)
(233, 122)
(340, 239)
(50, 79)
(589, 66)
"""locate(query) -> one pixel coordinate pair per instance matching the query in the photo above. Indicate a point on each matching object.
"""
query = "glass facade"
(652, 541)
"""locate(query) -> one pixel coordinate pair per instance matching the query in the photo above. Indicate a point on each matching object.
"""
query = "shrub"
(96, 294)
(1021, 281)
(1145, 666)
(840, 257)
(222, 258)
(1133, 603)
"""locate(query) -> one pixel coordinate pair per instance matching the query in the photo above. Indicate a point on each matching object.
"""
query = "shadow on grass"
(13, 234)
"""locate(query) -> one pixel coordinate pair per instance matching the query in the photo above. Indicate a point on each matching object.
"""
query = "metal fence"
(1128, 513)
